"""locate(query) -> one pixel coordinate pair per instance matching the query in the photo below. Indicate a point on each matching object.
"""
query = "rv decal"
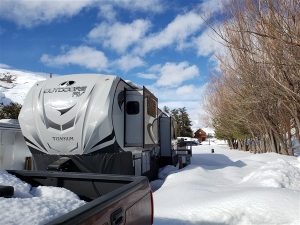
(62, 111)
(77, 91)
(63, 138)
(67, 83)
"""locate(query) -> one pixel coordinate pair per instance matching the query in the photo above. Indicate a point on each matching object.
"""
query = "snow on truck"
(102, 199)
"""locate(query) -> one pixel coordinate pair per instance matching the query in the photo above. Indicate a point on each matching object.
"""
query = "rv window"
(151, 107)
(132, 107)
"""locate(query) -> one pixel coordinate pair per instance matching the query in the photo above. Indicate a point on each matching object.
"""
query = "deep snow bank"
(279, 173)
(230, 187)
(34, 205)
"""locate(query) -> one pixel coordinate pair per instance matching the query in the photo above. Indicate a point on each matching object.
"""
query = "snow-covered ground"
(229, 187)
(34, 205)
(17, 90)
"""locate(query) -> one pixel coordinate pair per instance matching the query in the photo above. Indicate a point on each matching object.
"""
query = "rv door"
(133, 118)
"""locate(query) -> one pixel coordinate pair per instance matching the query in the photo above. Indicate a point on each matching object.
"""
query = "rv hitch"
(64, 164)
(6, 191)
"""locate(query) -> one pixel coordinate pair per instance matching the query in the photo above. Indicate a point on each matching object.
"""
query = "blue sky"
(162, 44)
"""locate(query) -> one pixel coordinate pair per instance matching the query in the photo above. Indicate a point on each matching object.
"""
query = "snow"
(22, 189)
(209, 130)
(17, 90)
(277, 174)
(167, 170)
(34, 205)
(229, 187)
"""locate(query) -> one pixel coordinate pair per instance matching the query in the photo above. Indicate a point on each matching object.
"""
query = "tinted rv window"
(151, 107)
(132, 107)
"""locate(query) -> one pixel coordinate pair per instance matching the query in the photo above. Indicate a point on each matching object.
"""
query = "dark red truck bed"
(111, 199)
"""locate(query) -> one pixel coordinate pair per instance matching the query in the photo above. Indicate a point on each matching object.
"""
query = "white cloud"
(172, 74)
(137, 5)
(191, 93)
(107, 11)
(155, 68)
(213, 6)
(31, 13)
(208, 43)
(108, 8)
(194, 109)
(129, 62)
(149, 76)
(176, 31)
(119, 36)
(179, 104)
(83, 56)
(4, 66)
(186, 90)
(193, 101)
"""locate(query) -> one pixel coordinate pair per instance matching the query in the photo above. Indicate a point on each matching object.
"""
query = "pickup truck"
(111, 199)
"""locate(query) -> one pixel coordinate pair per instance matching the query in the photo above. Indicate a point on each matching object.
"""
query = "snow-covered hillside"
(229, 187)
(15, 84)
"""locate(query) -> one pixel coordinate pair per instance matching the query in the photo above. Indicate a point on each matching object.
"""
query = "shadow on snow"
(215, 161)
(209, 161)
(163, 221)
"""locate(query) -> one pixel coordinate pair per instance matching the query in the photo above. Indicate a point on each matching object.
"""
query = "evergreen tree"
(166, 109)
(183, 121)
(10, 111)
(186, 123)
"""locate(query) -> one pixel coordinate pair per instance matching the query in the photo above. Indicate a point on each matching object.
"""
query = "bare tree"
(256, 101)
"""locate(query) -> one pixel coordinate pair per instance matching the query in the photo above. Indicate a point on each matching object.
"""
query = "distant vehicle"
(188, 140)
(184, 150)
(184, 139)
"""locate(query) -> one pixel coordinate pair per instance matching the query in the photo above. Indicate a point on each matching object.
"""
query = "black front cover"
(104, 163)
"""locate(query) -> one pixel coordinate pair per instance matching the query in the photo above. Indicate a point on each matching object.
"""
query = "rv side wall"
(165, 136)
(13, 150)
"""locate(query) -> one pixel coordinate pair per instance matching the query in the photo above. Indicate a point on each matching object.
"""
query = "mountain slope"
(15, 84)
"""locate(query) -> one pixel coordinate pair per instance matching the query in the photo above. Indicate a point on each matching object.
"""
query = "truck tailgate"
(111, 199)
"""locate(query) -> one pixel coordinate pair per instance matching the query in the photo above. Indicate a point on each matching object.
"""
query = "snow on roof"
(131, 83)
(208, 130)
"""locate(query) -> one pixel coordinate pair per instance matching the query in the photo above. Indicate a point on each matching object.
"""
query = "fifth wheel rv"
(92, 123)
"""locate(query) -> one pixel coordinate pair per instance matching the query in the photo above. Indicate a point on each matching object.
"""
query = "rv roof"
(92, 74)
(133, 84)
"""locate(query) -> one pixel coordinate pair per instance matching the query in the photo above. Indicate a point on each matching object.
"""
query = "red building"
(200, 135)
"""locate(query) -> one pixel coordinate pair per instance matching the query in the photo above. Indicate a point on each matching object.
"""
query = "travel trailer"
(92, 123)
(167, 140)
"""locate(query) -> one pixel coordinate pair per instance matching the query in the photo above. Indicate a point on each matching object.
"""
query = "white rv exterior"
(13, 149)
(88, 116)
